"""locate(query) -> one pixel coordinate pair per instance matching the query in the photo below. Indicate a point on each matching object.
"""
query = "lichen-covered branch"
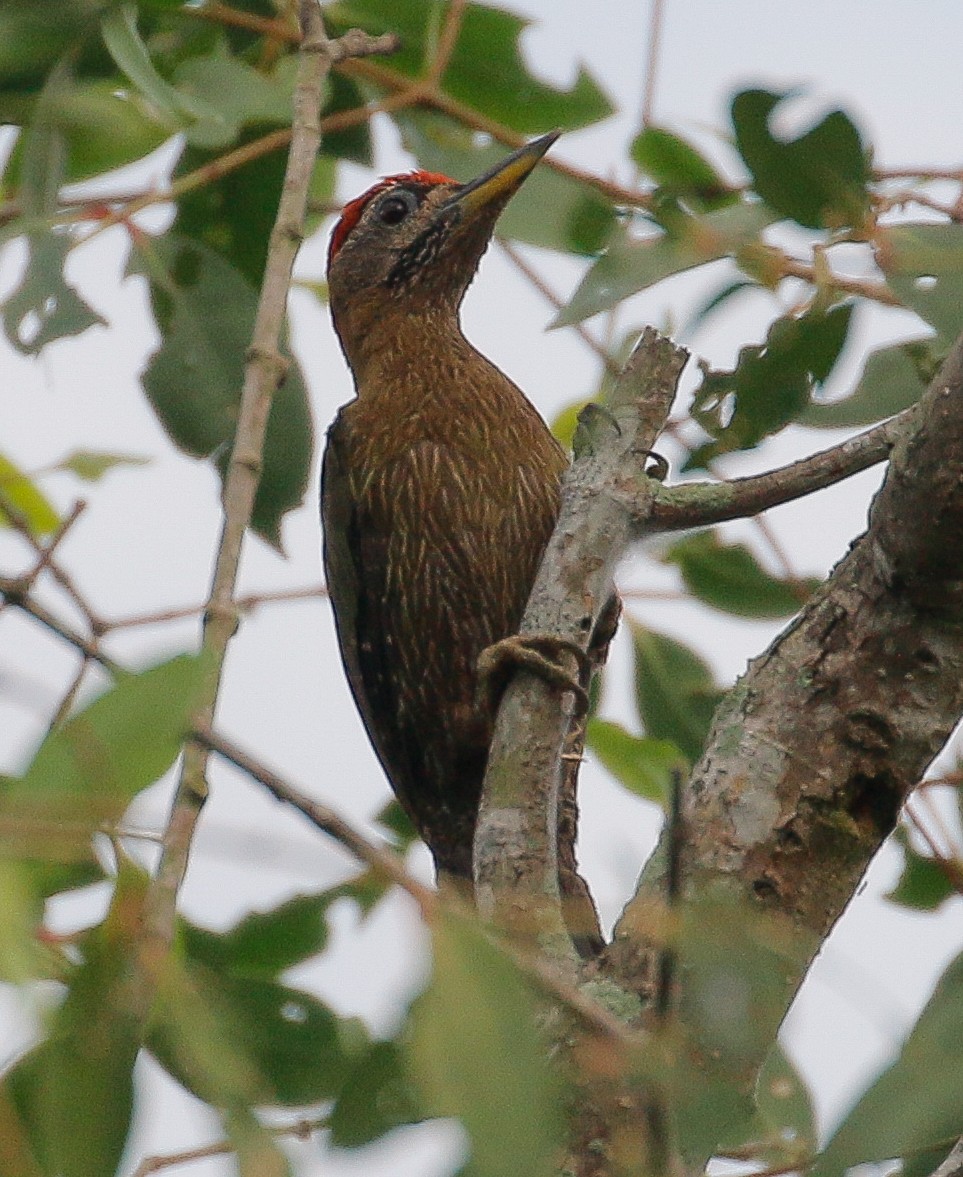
(700, 504)
(516, 859)
(815, 749)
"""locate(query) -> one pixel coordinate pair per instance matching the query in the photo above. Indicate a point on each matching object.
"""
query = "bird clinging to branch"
(440, 489)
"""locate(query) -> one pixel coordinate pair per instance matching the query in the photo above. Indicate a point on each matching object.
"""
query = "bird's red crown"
(351, 213)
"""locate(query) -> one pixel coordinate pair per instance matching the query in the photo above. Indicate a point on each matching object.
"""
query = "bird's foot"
(540, 655)
(659, 470)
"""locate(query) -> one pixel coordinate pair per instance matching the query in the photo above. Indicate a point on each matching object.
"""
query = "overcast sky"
(147, 540)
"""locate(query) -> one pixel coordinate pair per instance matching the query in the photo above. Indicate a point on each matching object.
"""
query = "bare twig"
(380, 858)
(532, 275)
(12, 590)
(951, 867)
(699, 504)
(45, 552)
(301, 1130)
(447, 40)
(263, 373)
(243, 605)
(652, 60)
(67, 702)
(790, 267)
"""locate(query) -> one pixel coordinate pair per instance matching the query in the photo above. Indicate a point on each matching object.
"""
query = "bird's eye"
(396, 206)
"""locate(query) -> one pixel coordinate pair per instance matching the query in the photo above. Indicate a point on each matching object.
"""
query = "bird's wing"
(355, 562)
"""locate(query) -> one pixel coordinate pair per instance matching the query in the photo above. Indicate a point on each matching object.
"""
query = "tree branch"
(264, 372)
(516, 867)
(813, 752)
(699, 504)
(381, 859)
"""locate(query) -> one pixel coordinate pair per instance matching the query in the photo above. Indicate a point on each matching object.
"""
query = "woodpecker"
(439, 490)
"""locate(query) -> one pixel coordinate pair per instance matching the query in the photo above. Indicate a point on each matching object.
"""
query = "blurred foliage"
(730, 578)
(885, 1124)
(91, 86)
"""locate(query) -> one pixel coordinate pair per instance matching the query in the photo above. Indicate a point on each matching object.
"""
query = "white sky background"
(147, 539)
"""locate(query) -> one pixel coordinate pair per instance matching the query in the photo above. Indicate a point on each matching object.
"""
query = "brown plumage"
(440, 489)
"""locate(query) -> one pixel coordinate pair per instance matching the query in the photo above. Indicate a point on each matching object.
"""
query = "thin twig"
(762, 525)
(264, 372)
(67, 702)
(380, 858)
(652, 60)
(229, 162)
(699, 504)
(44, 553)
(790, 267)
(518, 261)
(923, 173)
(12, 590)
(951, 867)
(447, 40)
(302, 1130)
(244, 604)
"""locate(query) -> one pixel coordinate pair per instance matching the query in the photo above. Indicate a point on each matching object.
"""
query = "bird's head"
(412, 242)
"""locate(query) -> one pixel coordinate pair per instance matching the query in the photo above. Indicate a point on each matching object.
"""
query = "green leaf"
(28, 501)
(885, 1123)
(475, 1054)
(736, 964)
(234, 214)
(92, 465)
(923, 885)
(127, 48)
(256, 1149)
(630, 264)
(923, 265)
(893, 378)
(34, 37)
(100, 128)
(581, 220)
(119, 744)
(675, 691)
(377, 1096)
(265, 943)
(730, 578)
(771, 383)
(86, 771)
(75, 1091)
(205, 312)
(236, 1040)
(392, 818)
(44, 306)
(643, 766)
(486, 69)
(678, 168)
(819, 179)
(233, 95)
(786, 1109)
(20, 910)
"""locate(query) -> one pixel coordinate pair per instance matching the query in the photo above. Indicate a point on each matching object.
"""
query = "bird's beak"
(499, 183)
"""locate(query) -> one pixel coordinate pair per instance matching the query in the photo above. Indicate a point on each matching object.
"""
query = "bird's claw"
(659, 470)
(538, 654)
